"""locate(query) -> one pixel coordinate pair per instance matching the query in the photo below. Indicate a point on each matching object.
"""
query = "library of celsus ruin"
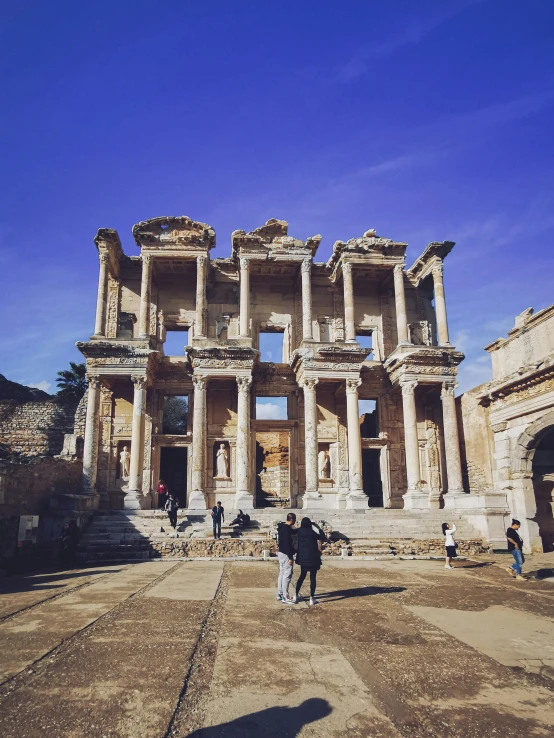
(365, 377)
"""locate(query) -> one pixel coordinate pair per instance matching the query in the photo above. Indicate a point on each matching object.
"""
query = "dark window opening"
(368, 418)
(175, 414)
(371, 474)
(173, 471)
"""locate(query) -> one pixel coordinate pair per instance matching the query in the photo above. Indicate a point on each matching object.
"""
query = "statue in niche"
(432, 448)
(125, 463)
(324, 464)
(222, 462)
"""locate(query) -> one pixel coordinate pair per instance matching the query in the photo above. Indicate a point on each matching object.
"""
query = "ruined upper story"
(275, 280)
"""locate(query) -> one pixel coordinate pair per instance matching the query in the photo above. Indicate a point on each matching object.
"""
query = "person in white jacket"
(450, 544)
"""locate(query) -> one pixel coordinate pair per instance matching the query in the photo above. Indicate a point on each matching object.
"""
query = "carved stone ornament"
(200, 383)
(352, 385)
(306, 265)
(408, 386)
(347, 267)
(398, 268)
(438, 270)
(93, 382)
(309, 383)
(104, 258)
(243, 263)
(244, 384)
(201, 260)
(146, 260)
(499, 427)
(448, 389)
(139, 380)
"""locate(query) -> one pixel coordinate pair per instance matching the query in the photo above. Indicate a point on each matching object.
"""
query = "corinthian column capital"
(139, 380)
(408, 386)
(243, 263)
(93, 381)
(352, 385)
(448, 389)
(201, 260)
(398, 268)
(200, 384)
(346, 267)
(104, 258)
(438, 269)
(309, 383)
(244, 384)
(306, 265)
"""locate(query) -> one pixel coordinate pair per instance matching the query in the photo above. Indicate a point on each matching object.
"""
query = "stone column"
(356, 497)
(306, 270)
(451, 441)
(310, 439)
(244, 298)
(244, 498)
(144, 319)
(197, 500)
(90, 446)
(101, 301)
(440, 305)
(133, 499)
(348, 284)
(400, 301)
(414, 497)
(201, 274)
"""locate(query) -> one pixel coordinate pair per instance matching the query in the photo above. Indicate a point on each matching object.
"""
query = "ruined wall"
(34, 428)
(27, 488)
(476, 442)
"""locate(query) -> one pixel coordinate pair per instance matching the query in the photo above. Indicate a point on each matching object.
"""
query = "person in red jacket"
(162, 494)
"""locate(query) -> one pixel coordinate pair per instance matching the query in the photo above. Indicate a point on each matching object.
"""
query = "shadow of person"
(275, 722)
(343, 594)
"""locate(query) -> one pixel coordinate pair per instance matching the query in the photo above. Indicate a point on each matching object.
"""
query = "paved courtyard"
(202, 648)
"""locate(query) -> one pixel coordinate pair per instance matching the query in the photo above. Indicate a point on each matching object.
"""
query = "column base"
(196, 500)
(356, 501)
(243, 501)
(313, 501)
(416, 500)
(452, 497)
(136, 500)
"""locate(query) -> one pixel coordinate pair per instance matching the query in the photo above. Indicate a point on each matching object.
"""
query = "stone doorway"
(273, 468)
(371, 473)
(543, 485)
(173, 470)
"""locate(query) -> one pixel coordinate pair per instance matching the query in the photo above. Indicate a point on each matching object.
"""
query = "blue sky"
(426, 121)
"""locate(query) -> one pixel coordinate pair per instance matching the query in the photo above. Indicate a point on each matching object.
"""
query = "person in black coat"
(308, 556)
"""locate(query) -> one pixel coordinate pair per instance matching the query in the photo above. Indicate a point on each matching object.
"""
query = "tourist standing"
(450, 544)
(515, 545)
(285, 555)
(218, 517)
(171, 507)
(162, 494)
(69, 540)
(308, 556)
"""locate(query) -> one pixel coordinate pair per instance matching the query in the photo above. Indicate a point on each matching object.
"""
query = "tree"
(72, 383)
(175, 414)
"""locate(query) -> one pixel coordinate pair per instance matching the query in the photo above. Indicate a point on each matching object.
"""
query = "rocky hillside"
(19, 392)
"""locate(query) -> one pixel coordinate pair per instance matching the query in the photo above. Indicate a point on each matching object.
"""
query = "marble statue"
(324, 464)
(125, 463)
(222, 461)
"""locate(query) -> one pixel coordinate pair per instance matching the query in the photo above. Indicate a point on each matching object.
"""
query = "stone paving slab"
(197, 581)
(17, 593)
(29, 636)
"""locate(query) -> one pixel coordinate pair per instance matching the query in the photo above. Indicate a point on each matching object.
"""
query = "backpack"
(246, 519)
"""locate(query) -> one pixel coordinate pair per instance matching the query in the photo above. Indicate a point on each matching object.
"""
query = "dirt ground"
(202, 648)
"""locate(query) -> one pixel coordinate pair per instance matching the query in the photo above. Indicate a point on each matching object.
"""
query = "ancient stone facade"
(326, 455)
(508, 427)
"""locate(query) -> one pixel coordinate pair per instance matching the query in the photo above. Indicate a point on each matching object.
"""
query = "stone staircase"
(129, 536)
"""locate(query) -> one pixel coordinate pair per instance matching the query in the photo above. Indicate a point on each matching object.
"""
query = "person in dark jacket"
(285, 554)
(171, 507)
(242, 520)
(308, 556)
(69, 539)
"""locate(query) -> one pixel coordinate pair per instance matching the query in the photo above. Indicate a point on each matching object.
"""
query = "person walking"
(171, 507)
(218, 517)
(69, 540)
(515, 545)
(450, 544)
(162, 494)
(308, 556)
(285, 555)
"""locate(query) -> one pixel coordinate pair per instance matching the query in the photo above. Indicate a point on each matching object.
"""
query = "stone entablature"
(270, 283)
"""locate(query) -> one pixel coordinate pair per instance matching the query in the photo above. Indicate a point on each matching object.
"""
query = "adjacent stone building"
(359, 327)
(508, 431)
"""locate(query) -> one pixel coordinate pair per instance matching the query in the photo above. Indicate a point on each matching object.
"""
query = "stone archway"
(534, 518)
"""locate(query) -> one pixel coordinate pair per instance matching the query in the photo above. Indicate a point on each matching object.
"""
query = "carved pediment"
(179, 233)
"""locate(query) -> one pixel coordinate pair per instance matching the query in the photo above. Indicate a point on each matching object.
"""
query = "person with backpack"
(285, 556)
(515, 546)
(218, 517)
(450, 544)
(171, 507)
(308, 556)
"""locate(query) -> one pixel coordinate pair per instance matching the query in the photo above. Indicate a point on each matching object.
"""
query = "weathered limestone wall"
(26, 489)
(35, 428)
(531, 339)
(476, 442)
